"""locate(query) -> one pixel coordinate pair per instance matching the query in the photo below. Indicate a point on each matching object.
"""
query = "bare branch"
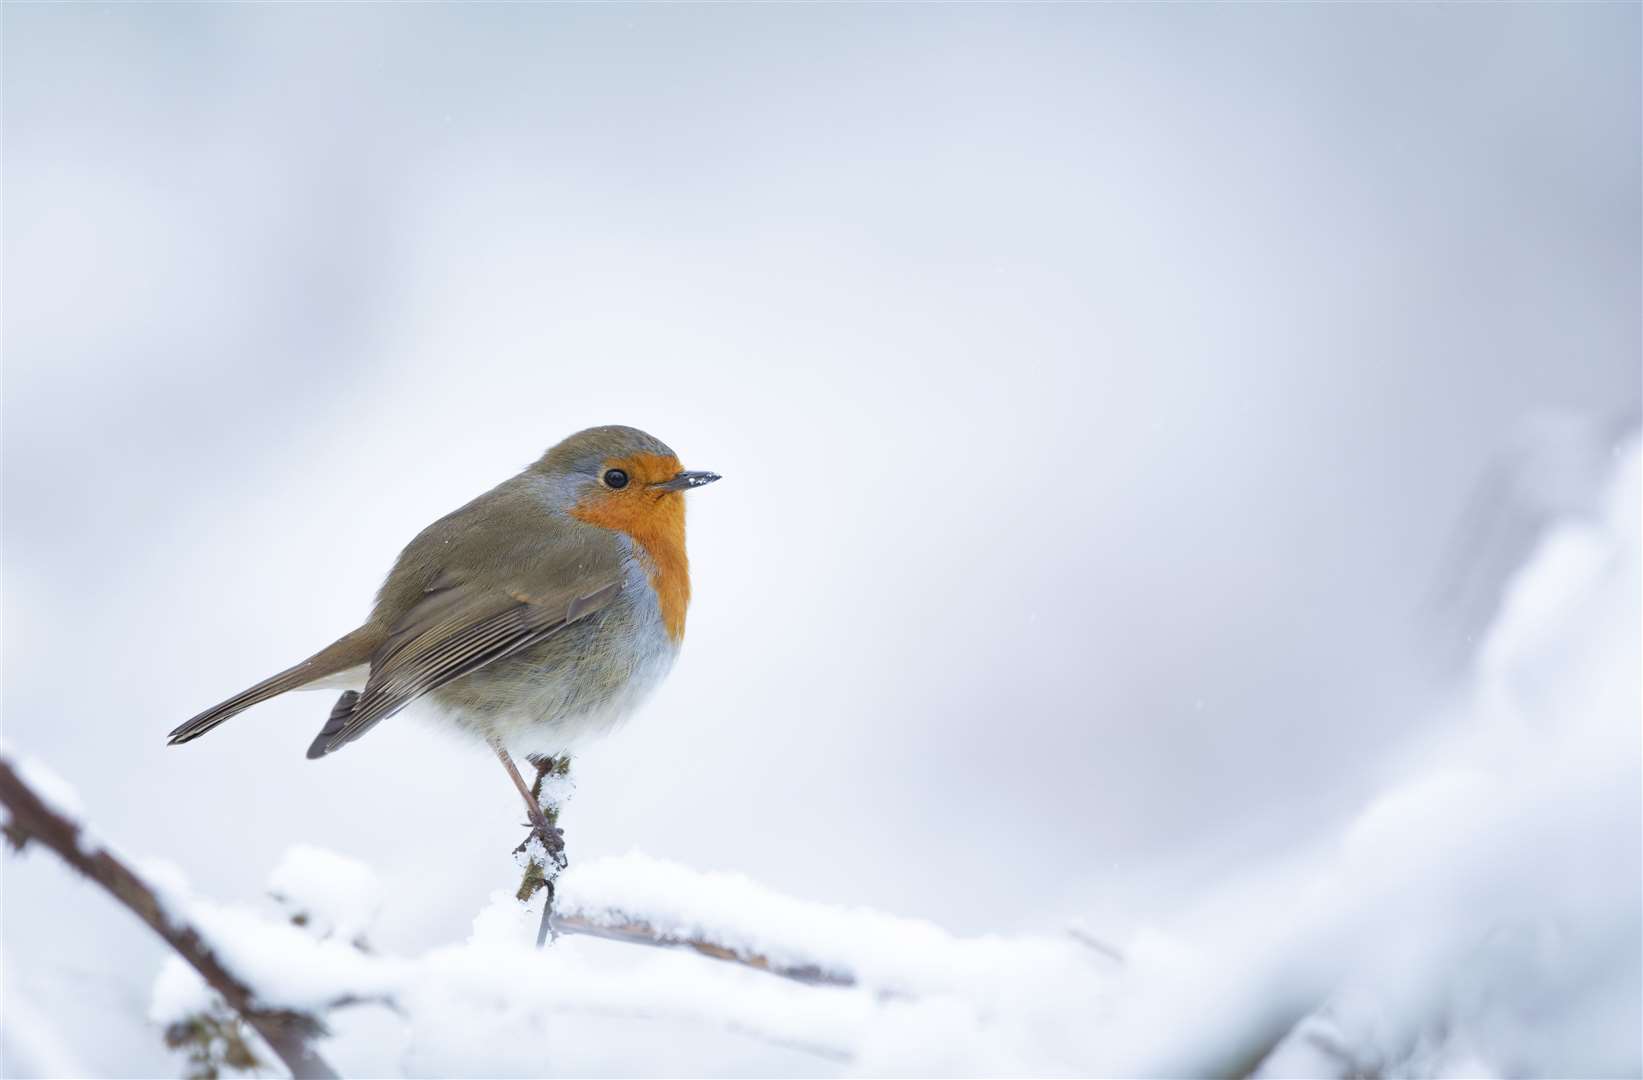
(1090, 941)
(287, 1033)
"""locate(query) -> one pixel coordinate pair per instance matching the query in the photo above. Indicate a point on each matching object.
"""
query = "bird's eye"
(616, 478)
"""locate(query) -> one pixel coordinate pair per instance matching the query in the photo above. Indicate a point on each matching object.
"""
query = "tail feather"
(340, 712)
(348, 651)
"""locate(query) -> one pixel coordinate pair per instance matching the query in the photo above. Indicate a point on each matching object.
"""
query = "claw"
(553, 842)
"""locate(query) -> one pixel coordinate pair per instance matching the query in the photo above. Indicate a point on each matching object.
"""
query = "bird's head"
(622, 478)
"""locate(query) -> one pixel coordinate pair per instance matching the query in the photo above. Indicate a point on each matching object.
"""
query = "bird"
(536, 617)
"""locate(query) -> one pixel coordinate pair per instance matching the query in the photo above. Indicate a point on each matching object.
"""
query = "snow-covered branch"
(638, 932)
(494, 1003)
(296, 972)
(32, 817)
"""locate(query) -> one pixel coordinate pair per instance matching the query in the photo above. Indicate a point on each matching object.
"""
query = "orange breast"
(656, 522)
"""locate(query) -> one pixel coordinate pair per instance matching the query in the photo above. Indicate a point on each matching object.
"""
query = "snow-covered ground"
(1482, 915)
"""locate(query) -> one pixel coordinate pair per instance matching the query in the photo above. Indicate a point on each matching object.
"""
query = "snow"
(58, 794)
(178, 992)
(286, 965)
(333, 895)
(497, 991)
(886, 953)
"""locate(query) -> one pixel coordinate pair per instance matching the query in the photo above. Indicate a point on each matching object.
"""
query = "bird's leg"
(541, 826)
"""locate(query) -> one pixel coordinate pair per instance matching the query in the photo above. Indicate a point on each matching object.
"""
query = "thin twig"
(545, 807)
(1090, 941)
(287, 1032)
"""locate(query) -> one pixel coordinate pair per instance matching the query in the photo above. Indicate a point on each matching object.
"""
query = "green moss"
(533, 880)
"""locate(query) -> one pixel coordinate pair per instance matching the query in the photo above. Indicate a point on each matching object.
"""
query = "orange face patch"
(656, 522)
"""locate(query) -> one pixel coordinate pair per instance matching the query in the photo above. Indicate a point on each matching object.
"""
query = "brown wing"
(452, 631)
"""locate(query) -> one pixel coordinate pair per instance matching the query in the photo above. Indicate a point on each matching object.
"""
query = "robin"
(537, 616)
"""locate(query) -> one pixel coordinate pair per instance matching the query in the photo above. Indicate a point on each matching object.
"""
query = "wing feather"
(451, 633)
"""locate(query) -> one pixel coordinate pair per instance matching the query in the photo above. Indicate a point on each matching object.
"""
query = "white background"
(1098, 392)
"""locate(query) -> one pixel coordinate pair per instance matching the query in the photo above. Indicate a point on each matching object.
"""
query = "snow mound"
(887, 953)
(330, 894)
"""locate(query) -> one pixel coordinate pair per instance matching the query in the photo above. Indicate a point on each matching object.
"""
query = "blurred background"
(1124, 414)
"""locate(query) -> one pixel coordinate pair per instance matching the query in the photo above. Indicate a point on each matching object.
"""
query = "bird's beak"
(685, 481)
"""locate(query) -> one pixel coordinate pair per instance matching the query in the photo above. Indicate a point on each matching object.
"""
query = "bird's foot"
(552, 839)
